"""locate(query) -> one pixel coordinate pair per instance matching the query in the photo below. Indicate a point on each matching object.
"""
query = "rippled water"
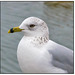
(59, 20)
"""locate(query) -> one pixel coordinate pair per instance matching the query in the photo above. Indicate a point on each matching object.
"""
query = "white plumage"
(37, 54)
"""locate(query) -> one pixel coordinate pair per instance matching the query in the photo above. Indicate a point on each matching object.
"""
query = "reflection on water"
(59, 20)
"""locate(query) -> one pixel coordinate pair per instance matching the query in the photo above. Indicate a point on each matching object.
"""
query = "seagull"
(36, 53)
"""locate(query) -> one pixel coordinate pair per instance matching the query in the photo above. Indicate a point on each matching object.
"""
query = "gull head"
(32, 26)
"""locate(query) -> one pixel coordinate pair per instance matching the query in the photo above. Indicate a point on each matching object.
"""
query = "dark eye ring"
(32, 25)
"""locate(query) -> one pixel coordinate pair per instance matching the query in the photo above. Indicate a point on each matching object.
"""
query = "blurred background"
(57, 15)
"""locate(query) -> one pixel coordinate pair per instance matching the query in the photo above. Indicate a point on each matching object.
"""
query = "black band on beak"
(11, 30)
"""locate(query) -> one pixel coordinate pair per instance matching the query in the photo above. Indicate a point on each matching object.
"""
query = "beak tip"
(9, 31)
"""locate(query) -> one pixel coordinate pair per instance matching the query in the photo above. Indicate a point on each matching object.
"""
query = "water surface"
(59, 20)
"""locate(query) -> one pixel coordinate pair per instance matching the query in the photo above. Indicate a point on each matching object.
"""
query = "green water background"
(58, 18)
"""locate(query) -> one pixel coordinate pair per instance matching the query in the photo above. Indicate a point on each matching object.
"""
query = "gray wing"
(62, 57)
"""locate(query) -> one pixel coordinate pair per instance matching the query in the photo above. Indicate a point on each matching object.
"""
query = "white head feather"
(40, 29)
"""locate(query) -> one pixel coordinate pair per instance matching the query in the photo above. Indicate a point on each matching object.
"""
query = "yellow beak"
(15, 29)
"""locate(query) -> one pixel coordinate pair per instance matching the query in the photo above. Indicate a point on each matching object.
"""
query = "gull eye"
(32, 25)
